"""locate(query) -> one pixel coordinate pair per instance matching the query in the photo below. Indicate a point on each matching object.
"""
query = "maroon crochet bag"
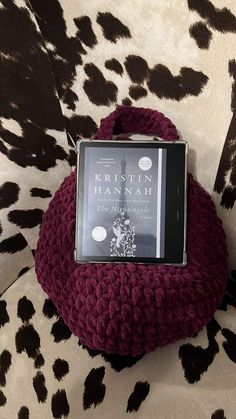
(128, 308)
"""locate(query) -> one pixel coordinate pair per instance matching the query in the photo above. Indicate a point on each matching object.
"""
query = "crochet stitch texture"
(128, 308)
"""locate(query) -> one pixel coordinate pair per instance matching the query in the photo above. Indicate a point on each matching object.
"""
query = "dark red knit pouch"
(129, 308)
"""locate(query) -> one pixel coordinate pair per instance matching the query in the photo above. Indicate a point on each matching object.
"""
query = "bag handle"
(129, 119)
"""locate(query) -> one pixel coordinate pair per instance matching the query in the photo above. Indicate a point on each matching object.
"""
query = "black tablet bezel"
(176, 184)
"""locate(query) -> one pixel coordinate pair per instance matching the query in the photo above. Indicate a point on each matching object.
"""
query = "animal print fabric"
(64, 65)
(46, 373)
(34, 152)
(177, 57)
(92, 56)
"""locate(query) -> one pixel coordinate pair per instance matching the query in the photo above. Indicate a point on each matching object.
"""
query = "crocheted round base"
(128, 308)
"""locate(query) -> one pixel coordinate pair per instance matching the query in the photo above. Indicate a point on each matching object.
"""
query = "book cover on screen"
(124, 202)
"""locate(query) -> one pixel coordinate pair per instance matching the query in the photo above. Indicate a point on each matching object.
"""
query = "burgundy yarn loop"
(126, 119)
(127, 308)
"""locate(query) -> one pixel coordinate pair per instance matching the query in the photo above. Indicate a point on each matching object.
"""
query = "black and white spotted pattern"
(64, 66)
(91, 59)
(34, 152)
(46, 373)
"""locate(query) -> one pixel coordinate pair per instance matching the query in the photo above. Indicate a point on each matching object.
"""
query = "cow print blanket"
(46, 373)
(65, 64)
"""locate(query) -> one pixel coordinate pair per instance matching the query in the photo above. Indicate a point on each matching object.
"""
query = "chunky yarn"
(128, 308)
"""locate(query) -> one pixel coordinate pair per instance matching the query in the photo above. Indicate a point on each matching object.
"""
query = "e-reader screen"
(131, 203)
